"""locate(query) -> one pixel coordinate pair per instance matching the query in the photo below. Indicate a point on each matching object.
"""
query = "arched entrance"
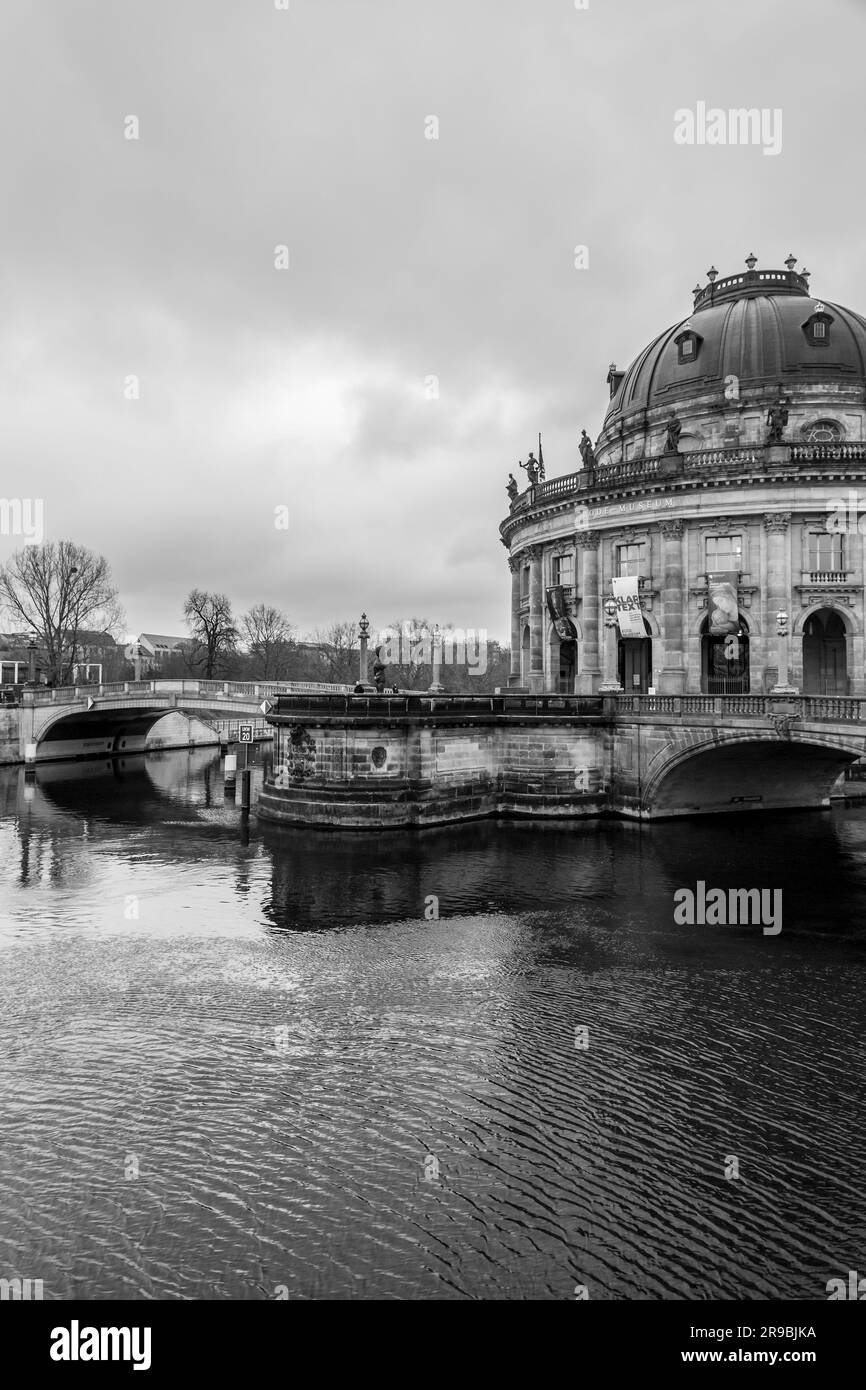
(725, 661)
(825, 654)
(564, 666)
(635, 662)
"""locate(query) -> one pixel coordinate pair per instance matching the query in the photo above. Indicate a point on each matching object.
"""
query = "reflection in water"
(275, 1031)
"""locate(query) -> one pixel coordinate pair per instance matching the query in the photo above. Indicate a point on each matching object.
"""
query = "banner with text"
(628, 606)
(724, 607)
(565, 629)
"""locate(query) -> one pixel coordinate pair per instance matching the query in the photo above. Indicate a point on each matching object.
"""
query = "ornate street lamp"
(363, 634)
(31, 655)
(610, 685)
(782, 687)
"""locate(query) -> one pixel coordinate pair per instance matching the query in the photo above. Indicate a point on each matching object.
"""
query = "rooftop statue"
(587, 453)
(672, 438)
(777, 419)
(511, 487)
(531, 468)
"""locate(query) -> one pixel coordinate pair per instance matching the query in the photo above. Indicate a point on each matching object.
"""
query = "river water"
(254, 1064)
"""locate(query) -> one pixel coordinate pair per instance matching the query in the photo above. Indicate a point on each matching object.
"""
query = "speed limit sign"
(245, 734)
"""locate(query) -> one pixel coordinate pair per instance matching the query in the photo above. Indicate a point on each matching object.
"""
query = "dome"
(762, 327)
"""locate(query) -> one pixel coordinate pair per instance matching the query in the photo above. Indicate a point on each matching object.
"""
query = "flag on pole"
(540, 459)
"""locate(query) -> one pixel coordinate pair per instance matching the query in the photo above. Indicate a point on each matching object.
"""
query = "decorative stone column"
(672, 674)
(515, 564)
(533, 554)
(589, 672)
(777, 584)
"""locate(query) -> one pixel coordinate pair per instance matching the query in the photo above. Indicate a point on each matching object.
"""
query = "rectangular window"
(724, 553)
(819, 330)
(826, 551)
(562, 570)
(631, 560)
(524, 582)
(688, 347)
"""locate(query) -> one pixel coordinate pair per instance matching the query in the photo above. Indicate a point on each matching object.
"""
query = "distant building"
(94, 652)
(157, 650)
(15, 658)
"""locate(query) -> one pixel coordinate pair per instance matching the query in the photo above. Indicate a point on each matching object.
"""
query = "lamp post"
(610, 685)
(363, 633)
(782, 687)
(31, 659)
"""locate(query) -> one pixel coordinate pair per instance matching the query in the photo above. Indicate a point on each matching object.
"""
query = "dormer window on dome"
(688, 345)
(817, 327)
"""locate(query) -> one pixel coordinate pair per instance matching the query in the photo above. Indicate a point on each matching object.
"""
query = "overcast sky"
(409, 258)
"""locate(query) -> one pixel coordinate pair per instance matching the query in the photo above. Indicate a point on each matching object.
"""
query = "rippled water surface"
(268, 1029)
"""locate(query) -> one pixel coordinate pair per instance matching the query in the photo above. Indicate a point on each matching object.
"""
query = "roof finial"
(805, 273)
(712, 273)
(751, 260)
(791, 261)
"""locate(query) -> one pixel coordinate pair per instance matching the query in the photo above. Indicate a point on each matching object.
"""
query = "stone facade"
(780, 505)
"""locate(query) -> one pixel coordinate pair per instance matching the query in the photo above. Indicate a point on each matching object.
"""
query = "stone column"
(590, 616)
(515, 564)
(778, 592)
(672, 675)
(536, 621)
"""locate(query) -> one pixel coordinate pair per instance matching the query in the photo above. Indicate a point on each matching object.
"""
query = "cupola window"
(688, 345)
(817, 327)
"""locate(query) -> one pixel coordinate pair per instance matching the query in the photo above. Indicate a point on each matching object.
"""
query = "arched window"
(823, 432)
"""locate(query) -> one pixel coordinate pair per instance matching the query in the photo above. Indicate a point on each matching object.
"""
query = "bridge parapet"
(831, 708)
(246, 690)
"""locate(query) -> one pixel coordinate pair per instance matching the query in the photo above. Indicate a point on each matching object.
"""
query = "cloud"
(409, 259)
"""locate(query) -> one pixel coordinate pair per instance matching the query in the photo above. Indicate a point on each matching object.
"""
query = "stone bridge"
(127, 717)
(412, 759)
(688, 754)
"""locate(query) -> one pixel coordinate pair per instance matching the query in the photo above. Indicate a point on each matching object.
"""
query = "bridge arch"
(716, 772)
(71, 734)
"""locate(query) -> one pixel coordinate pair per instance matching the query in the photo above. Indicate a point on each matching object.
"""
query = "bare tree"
(209, 619)
(268, 634)
(57, 590)
(338, 647)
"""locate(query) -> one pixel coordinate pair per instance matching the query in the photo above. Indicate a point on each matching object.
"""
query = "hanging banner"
(565, 629)
(723, 604)
(628, 606)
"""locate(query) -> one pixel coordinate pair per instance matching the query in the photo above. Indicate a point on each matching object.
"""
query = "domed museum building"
(711, 541)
